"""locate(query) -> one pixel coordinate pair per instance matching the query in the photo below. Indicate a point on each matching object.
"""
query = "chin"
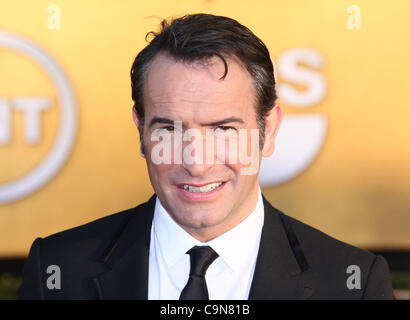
(200, 220)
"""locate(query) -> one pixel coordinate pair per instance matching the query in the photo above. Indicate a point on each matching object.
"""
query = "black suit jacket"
(108, 259)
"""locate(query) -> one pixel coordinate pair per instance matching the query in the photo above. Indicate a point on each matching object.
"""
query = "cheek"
(157, 172)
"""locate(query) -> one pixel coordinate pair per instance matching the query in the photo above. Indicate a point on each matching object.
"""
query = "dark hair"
(198, 37)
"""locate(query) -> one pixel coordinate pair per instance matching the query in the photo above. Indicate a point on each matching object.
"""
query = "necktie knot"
(201, 258)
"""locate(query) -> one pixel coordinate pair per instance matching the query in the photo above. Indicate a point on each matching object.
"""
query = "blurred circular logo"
(64, 139)
(301, 136)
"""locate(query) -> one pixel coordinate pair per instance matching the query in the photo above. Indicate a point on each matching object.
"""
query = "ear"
(272, 124)
(138, 124)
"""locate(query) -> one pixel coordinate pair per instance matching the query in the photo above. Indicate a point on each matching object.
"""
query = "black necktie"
(201, 258)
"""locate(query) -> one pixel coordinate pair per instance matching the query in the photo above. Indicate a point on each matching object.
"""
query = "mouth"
(195, 192)
(204, 188)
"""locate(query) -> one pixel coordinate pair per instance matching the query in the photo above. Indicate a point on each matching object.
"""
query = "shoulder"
(98, 229)
(78, 253)
(89, 240)
(318, 247)
(333, 264)
(322, 248)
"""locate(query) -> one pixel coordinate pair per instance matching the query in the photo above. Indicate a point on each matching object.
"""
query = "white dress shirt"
(228, 277)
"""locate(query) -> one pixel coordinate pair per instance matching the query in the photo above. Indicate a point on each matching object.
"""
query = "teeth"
(207, 188)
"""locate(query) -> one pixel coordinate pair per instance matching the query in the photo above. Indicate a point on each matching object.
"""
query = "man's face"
(195, 95)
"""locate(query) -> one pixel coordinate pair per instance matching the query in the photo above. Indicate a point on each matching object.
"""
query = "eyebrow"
(212, 124)
(160, 120)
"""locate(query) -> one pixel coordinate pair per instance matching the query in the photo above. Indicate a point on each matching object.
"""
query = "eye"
(225, 128)
(168, 128)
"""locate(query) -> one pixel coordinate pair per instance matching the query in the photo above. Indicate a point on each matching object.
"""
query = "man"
(207, 232)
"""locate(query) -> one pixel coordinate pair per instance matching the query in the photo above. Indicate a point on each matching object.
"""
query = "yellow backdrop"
(356, 189)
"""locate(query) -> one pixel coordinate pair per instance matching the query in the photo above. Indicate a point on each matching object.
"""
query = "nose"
(197, 159)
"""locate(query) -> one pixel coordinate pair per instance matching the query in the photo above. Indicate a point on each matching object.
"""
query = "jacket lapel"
(127, 258)
(279, 271)
(281, 265)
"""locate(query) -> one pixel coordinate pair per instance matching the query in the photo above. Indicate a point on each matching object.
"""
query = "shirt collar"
(232, 247)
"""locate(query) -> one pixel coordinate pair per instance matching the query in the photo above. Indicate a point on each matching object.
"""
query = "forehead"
(178, 89)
